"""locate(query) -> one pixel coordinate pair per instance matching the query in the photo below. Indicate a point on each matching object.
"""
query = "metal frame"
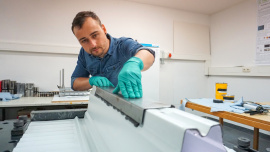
(134, 109)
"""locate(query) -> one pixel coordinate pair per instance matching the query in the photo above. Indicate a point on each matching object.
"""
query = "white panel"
(233, 43)
(39, 68)
(104, 129)
(208, 7)
(52, 24)
(41, 48)
(182, 79)
(233, 35)
(175, 56)
(191, 38)
(150, 79)
(241, 71)
(50, 136)
(250, 88)
(162, 130)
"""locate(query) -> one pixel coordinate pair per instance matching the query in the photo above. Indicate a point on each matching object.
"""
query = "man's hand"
(129, 79)
(100, 81)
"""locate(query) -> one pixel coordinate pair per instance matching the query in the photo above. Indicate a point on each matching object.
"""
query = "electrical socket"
(246, 70)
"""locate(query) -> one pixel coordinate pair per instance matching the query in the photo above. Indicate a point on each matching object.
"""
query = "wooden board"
(261, 121)
(70, 101)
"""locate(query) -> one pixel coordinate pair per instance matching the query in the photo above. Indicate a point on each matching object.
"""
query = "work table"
(25, 102)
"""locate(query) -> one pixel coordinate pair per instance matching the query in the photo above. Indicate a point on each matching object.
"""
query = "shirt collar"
(110, 51)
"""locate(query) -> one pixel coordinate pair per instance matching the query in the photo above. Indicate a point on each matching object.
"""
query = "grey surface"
(7, 142)
(46, 115)
(212, 142)
(133, 108)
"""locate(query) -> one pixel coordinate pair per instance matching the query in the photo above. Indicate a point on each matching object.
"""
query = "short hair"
(80, 19)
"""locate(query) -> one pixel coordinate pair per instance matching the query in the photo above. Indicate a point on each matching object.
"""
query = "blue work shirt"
(120, 50)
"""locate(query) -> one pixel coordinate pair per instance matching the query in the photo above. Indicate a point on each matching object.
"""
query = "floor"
(232, 132)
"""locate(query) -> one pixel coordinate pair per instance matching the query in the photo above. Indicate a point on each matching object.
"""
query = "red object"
(0, 86)
(170, 55)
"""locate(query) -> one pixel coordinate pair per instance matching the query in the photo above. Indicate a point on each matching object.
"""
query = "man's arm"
(81, 84)
(129, 78)
(147, 58)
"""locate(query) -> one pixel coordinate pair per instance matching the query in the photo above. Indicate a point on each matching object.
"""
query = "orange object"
(170, 55)
(221, 90)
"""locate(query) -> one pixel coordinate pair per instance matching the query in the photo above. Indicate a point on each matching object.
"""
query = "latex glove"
(100, 81)
(129, 79)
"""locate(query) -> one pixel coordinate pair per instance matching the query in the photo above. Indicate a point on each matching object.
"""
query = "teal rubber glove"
(100, 81)
(129, 79)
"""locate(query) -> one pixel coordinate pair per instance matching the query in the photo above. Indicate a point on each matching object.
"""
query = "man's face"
(92, 37)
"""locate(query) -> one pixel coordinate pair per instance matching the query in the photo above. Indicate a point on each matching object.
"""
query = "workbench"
(26, 102)
(257, 121)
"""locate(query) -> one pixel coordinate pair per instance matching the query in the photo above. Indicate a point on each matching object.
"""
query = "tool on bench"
(67, 91)
(254, 108)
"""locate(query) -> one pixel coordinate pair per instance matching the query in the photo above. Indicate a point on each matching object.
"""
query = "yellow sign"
(221, 90)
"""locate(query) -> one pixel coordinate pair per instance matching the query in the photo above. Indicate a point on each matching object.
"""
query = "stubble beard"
(98, 53)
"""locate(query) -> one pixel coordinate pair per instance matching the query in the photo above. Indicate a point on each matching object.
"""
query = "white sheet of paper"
(70, 98)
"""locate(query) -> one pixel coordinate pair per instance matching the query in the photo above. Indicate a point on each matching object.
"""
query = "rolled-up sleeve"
(148, 49)
(131, 47)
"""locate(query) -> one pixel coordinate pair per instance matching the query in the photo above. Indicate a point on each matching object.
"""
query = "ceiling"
(207, 7)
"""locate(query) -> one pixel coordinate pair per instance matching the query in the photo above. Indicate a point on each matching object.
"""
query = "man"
(110, 61)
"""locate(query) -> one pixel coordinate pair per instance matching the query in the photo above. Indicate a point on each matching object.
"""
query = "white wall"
(182, 79)
(233, 43)
(233, 35)
(250, 88)
(39, 68)
(47, 22)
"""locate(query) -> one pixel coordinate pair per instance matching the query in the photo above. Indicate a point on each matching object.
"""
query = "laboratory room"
(135, 75)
